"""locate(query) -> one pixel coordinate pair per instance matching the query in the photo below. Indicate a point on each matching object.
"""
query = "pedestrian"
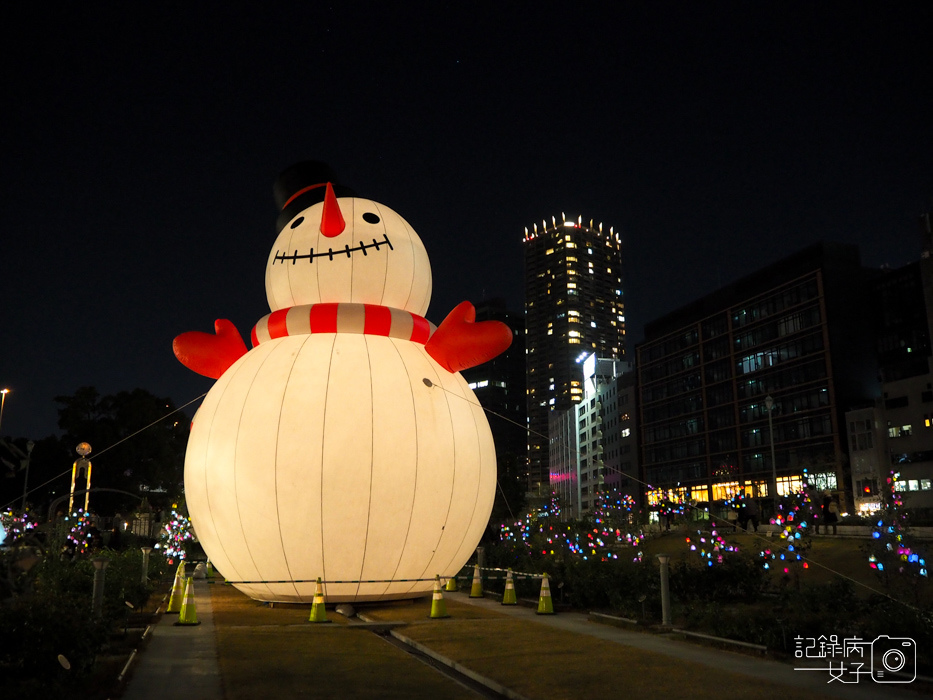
(751, 511)
(742, 517)
(829, 511)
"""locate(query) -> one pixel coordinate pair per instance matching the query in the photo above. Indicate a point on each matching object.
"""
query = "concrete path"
(179, 661)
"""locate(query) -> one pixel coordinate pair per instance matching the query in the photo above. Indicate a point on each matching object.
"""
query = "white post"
(145, 572)
(665, 590)
(100, 565)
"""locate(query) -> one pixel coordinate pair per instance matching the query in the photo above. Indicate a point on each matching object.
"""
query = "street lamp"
(769, 404)
(3, 393)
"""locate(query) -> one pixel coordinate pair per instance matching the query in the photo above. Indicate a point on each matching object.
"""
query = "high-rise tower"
(573, 307)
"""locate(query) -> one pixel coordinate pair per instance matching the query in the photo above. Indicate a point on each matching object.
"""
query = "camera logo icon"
(893, 655)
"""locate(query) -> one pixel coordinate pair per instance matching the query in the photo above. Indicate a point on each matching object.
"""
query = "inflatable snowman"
(345, 444)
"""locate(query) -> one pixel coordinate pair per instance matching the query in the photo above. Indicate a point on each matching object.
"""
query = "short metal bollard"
(97, 595)
(665, 590)
(144, 576)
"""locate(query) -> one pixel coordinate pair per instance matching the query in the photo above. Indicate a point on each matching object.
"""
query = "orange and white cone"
(508, 597)
(438, 606)
(545, 604)
(188, 614)
(318, 613)
(476, 591)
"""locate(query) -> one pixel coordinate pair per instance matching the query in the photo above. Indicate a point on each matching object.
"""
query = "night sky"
(140, 152)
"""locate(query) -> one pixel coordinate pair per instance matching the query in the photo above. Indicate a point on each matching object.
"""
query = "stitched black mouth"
(346, 250)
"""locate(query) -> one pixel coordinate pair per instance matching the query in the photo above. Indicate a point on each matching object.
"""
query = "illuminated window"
(756, 361)
(571, 245)
(574, 334)
(573, 341)
(787, 485)
(549, 251)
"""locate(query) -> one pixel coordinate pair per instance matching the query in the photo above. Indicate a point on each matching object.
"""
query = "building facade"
(891, 440)
(592, 451)
(747, 388)
(574, 306)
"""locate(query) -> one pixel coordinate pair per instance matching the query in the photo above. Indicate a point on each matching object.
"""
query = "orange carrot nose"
(332, 223)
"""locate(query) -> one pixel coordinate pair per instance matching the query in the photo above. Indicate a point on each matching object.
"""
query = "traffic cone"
(210, 570)
(451, 585)
(477, 590)
(318, 613)
(178, 592)
(545, 604)
(508, 598)
(180, 571)
(188, 614)
(438, 606)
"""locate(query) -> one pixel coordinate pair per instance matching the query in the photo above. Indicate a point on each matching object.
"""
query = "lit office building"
(573, 307)
(892, 437)
(752, 381)
(593, 463)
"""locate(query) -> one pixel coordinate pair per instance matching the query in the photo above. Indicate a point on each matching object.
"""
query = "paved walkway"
(184, 659)
(179, 661)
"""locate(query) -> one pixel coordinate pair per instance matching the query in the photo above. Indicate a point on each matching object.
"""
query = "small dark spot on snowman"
(297, 222)
(370, 218)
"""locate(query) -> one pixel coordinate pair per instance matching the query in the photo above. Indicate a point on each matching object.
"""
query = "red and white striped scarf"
(342, 318)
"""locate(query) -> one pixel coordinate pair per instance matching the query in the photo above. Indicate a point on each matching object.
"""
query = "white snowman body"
(327, 454)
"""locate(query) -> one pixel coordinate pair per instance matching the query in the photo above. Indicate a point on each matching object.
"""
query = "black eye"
(297, 222)
(370, 218)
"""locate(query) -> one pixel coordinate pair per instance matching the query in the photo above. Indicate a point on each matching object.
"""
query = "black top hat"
(302, 185)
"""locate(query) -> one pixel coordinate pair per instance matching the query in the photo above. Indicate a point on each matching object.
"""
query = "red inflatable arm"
(210, 354)
(460, 343)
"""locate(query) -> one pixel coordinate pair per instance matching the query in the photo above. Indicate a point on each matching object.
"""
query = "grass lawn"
(542, 662)
(275, 652)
